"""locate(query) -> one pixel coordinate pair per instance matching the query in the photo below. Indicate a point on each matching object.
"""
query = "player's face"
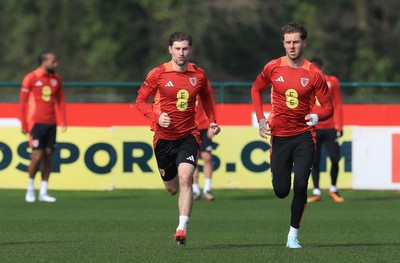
(180, 51)
(51, 63)
(294, 45)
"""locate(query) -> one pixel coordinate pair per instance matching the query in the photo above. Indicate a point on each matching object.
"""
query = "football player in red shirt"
(41, 92)
(291, 124)
(328, 132)
(174, 87)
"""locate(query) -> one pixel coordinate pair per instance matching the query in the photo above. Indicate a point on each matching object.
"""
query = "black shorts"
(169, 154)
(43, 136)
(206, 143)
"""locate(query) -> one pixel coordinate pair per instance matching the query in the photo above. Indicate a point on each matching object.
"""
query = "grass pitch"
(240, 226)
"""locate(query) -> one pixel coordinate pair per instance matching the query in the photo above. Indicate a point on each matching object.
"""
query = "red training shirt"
(175, 94)
(292, 94)
(40, 92)
(335, 122)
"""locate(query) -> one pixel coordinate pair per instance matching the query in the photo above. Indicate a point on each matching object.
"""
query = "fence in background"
(225, 92)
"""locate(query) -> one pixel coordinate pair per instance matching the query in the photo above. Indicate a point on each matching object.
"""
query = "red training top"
(175, 94)
(335, 122)
(40, 92)
(292, 95)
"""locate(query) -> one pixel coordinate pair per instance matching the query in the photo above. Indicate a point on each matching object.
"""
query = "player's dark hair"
(317, 61)
(43, 56)
(293, 27)
(180, 36)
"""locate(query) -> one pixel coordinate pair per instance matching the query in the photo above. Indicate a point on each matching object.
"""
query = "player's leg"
(186, 161)
(333, 149)
(303, 158)
(37, 145)
(315, 172)
(281, 165)
(195, 186)
(49, 140)
(36, 157)
(46, 169)
(172, 185)
(207, 170)
(185, 173)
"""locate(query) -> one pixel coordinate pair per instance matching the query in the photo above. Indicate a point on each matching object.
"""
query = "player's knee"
(185, 181)
(36, 157)
(281, 192)
(207, 157)
(335, 162)
(172, 191)
(300, 186)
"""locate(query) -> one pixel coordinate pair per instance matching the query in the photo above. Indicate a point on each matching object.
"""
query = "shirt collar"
(170, 68)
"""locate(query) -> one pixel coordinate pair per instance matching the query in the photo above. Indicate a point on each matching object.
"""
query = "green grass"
(240, 226)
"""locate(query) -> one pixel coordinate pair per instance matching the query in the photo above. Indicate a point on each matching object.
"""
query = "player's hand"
(263, 128)
(339, 134)
(312, 119)
(63, 128)
(215, 129)
(164, 121)
(210, 133)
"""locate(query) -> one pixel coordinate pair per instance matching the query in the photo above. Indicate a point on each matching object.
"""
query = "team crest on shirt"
(304, 81)
(53, 82)
(162, 172)
(193, 81)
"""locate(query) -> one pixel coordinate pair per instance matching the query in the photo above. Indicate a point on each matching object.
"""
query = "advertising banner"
(100, 158)
(376, 158)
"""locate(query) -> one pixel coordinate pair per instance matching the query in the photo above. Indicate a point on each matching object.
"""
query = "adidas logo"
(280, 79)
(38, 83)
(169, 84)
(190, 158)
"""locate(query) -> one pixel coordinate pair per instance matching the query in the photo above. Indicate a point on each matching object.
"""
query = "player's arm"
(207, 100)
(324, 97)
(259, 85)
(146, 91)
(210, 131)
(24, 97)
(337, 102)
(62, 107)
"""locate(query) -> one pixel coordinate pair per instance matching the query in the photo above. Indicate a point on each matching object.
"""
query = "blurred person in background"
(41, 93)
(328, 134)
(206, 135)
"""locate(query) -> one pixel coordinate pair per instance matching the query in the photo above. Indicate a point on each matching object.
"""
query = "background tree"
(122, 40)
